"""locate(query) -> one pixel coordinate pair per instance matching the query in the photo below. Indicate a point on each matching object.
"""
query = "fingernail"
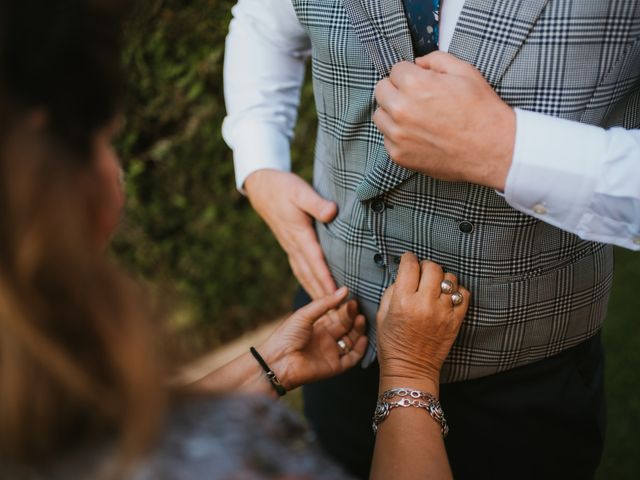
(327, 209)
(341, 291)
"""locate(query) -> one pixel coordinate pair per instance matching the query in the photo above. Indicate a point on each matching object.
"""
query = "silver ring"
(342, 345)
(456, 298)
(446, 286)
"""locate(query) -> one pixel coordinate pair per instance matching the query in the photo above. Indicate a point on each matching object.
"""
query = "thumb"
(442, 62)
(316, 309)
(316, 206)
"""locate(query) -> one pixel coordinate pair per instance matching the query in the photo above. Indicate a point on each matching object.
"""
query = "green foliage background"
(188, 228)
(186, 225)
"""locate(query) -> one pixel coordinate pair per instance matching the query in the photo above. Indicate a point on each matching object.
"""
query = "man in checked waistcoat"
(476, 134)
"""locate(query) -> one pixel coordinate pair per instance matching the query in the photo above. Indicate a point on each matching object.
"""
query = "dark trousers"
(541, 421)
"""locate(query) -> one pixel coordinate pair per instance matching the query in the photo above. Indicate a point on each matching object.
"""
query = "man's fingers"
(305, 276)
(408, 275)
(399, 71)
(316, 309)
(309, 201)
(406, 75)
(308, 263)
(443, 62)
(317, 264)
(389, 129)
(431, 276)
(386, 93)
(384, 122)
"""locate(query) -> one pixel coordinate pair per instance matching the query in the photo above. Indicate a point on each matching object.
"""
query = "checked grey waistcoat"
(536, 290)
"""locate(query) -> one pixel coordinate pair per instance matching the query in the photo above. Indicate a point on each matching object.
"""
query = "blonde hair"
(77, 350)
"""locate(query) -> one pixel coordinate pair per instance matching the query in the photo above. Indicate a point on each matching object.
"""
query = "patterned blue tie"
(424, 17)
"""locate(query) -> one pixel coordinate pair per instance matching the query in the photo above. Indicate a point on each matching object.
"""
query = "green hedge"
(186, 225)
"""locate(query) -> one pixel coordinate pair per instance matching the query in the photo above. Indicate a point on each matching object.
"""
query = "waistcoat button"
(466, 227)
(378, 259)
(377, 206)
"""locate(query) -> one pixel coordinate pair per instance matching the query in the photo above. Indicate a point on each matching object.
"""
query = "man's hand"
(442, 118)
(288, 205)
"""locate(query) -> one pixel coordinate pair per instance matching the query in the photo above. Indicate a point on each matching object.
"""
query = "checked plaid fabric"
(536, 289)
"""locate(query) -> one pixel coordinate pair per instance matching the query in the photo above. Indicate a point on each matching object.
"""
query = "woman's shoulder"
(236, 436)
(226, 437)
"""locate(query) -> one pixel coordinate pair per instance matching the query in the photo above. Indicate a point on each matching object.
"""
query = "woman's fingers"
(348, 335)
(445, 297)
(385, 303)
(462, 308)
(356, 332)
(408, 277)
(431, 277)
(316, 309)
(351, 358)
(340, 321)
(450, 277)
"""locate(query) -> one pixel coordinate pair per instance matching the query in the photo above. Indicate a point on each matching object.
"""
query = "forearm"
(264, 67)
(580, 178)
(241, 374)
(409, 441)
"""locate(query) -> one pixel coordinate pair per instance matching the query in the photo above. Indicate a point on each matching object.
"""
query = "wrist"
(278, 360)
(496, 175)
(425, 384)
(252, 180)
(270, 372)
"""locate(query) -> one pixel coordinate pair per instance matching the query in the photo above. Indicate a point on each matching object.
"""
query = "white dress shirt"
(580, 178)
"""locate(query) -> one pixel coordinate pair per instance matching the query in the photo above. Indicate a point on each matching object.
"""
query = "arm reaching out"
(303, 349)
(417, 325)
(580, 178)
(264, 66)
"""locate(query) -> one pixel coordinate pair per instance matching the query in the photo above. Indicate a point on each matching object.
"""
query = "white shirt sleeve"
(265, 55)
(577, 177)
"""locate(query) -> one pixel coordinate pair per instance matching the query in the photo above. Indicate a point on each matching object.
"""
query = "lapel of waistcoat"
(489, 34)
(381, 26)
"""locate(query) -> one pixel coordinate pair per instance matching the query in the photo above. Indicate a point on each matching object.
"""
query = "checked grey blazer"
(536, 289)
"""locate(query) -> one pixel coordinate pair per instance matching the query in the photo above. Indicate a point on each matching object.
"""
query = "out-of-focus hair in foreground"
(77, 351)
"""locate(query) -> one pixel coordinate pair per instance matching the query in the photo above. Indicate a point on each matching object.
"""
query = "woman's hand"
(417, 323)
(304, 348)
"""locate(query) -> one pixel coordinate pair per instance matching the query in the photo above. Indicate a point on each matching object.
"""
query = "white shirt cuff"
(258, 146)
(555, 168)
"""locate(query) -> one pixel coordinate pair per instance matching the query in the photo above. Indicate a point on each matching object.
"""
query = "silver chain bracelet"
(409, 398)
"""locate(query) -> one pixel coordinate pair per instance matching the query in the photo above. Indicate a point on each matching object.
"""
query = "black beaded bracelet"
(272, 377)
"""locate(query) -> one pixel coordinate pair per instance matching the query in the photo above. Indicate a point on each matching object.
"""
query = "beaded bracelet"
(409, 398)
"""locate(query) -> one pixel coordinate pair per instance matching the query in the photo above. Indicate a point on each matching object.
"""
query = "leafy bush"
(186, 225)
